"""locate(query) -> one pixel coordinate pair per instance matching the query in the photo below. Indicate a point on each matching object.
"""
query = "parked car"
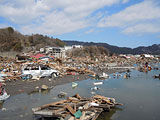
(39, 70)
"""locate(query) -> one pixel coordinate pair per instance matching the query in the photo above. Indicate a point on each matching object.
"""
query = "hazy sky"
(128, 23)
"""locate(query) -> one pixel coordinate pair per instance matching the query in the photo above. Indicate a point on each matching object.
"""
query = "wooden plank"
(97, 114)
(83, 113)
(77, 96)
(75, 107)
(73, 99)
(71, 110)
(59, 110)
(49, 113)
(47, 105)
(89, 116)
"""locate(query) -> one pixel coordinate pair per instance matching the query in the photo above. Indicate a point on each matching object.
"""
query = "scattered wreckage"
(156, 76)
(4, 96)
(76, 108)
(3, 93)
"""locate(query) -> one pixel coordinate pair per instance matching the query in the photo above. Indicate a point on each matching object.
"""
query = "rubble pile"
(76, 108)
(12, 69)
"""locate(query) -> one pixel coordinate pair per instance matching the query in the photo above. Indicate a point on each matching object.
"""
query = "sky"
(124, 23)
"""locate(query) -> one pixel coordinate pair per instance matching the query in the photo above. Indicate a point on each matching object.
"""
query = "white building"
(77, 46)
(73, 46)
(58, 52)
(148, 56)
(68, 47)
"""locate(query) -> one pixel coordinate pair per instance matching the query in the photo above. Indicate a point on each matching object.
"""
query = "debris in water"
(76, 107)
(98, 83)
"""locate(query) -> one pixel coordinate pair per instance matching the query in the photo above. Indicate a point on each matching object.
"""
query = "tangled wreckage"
(76, 108)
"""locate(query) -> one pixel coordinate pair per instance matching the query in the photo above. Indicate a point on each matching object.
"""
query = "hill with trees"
(154, 49)
(90, 51)
(11, 40)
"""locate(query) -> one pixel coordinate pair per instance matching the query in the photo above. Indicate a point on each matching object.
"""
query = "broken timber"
(76, 108)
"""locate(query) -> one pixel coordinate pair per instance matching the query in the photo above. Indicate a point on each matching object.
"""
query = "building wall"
(56, 51)
(60, 52)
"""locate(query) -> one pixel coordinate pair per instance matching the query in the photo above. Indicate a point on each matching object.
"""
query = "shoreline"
(19, 86)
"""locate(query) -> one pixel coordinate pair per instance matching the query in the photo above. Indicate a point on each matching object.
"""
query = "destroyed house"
(57, 52)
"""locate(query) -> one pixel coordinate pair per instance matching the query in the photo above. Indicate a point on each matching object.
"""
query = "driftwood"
(90, 108)
(48, 105)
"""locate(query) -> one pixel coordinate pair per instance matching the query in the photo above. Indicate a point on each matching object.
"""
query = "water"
(139, 94)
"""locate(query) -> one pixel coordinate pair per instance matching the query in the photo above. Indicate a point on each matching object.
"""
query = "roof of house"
(37, 56)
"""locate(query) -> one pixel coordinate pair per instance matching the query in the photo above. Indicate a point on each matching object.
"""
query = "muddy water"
(140, 95)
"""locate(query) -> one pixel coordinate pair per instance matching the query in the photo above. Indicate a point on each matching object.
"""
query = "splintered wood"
(76, 108)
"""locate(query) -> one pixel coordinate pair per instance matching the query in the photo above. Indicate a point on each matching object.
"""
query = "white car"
(39, 70)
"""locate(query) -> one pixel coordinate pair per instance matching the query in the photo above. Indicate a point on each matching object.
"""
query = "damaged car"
(39, 70)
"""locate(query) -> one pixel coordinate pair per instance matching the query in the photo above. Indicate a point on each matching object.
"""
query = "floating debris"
(3, 93)
(62, 94)
(74, 84)
(95, 88)
(4, 109)
(98, 83)
(76, 107)
(44, 87)
(156, 76)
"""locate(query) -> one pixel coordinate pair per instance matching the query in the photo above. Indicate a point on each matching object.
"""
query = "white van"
(39, 70)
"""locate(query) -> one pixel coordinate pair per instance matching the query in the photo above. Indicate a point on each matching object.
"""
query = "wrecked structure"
(58, 52)
(11, 69)
(76, 107)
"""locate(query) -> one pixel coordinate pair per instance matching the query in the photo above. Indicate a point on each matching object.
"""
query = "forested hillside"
(11, 40)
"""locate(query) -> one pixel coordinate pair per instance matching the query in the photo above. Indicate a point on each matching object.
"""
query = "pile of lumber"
(76, 108)
(10, 70)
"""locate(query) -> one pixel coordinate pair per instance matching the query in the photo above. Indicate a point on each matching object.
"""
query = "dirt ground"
(20, 86)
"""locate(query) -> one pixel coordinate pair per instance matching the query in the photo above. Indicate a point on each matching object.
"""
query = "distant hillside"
(154, 49)
(91, 51)
(11, 40)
